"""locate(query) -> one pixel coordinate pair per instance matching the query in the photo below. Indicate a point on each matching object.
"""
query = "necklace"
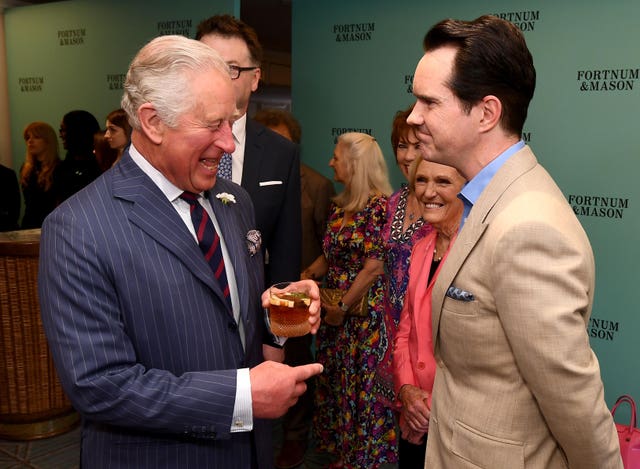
(445, 245)
(410, 208)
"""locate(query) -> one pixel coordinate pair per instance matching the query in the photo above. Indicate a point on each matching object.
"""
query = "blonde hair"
(368, 170)
(161, 73)
(49, 159)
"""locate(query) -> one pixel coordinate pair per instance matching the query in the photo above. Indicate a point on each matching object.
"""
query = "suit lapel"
(253, 155)
(476, 224)
(154, 214)
(462, 246)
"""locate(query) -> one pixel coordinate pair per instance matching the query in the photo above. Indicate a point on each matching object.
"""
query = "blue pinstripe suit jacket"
(144, 345)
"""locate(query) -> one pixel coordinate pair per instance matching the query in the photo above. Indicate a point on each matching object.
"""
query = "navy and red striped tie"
(209, 242)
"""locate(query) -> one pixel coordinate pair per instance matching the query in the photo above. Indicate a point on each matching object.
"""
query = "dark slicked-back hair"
(492, 59)
(229, 26)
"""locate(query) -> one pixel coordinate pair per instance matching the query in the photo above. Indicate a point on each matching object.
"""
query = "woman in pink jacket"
(436, 187)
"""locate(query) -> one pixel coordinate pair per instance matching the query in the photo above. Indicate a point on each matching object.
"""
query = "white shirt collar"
(239, 129)
(170, 191)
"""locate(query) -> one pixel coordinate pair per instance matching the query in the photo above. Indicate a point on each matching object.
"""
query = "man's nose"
(225, 140)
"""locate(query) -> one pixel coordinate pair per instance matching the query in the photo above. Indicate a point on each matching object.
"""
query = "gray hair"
(160, 74)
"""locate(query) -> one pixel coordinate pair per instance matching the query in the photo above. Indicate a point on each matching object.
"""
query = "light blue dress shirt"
(472, 189)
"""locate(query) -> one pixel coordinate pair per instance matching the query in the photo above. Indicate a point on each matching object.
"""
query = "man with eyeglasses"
(265, 164)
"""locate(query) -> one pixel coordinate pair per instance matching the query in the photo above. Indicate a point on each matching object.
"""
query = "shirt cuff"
(242, 420)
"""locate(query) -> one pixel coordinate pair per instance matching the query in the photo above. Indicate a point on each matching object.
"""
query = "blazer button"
(232, 325)
(420, 365)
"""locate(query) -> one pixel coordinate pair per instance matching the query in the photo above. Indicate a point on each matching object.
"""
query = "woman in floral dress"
(350, 421)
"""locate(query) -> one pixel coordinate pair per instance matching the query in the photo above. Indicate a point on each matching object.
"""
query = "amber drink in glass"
(289, 309)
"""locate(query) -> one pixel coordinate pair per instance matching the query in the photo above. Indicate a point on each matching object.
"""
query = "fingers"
(304, 372)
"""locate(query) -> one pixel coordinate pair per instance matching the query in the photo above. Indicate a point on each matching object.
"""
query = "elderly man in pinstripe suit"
(166, 368)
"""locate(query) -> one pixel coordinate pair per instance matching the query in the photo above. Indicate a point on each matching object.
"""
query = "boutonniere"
(254, 241)
(226, 198)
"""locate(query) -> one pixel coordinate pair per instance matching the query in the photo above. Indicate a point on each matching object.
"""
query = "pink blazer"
(413, 360)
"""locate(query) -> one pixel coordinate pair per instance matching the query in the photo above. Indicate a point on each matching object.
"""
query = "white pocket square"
(270, 183)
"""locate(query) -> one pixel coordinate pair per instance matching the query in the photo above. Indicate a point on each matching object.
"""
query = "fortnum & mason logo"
(602, 329)
(354, 32)
(337, 131)
(523, 20)
(30, 84)
(177, 27)
(72, 37)
(615, 79)
(598, 206)
(408, 83)
(115, 81)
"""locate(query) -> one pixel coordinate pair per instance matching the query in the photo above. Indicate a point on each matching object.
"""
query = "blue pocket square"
(459, 294)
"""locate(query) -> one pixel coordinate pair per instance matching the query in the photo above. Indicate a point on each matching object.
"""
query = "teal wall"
(74, 55)
(353, 62)
(586, 138)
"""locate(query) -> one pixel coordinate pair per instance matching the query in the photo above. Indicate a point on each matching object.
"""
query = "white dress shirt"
(239, 130)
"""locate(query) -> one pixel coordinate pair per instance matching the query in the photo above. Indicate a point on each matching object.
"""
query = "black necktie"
(209, 242)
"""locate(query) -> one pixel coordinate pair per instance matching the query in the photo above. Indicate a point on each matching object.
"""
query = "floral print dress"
(350, 421)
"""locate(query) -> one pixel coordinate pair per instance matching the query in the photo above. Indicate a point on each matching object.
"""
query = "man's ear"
(150, 123)
(491, 108)
(256, 79)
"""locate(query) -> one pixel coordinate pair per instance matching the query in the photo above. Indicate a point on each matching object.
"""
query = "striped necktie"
(209, 242)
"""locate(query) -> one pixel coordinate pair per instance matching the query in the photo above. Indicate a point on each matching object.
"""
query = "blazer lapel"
(154, 214)
(253, 155)
(473, 229)
(462, 246)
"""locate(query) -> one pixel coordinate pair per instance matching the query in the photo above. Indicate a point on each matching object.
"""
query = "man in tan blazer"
(517, 384)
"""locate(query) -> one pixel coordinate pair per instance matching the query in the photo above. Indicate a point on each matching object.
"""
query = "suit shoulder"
(255, 130)
(312, 174)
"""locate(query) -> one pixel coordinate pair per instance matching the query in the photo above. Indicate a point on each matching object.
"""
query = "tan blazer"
(517, 384)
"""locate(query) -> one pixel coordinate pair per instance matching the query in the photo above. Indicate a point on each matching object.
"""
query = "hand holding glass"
(289, 309)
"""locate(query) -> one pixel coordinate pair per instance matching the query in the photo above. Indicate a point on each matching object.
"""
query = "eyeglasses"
(235, 71)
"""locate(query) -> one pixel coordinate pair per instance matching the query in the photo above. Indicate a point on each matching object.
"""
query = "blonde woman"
(36, 175)
(350, 422)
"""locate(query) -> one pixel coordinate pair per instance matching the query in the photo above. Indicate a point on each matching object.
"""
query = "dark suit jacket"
(316, 192)
(271, 176)
(9, 199)
(143, 342)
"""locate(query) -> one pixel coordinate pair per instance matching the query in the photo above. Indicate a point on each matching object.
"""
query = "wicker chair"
(32, 402)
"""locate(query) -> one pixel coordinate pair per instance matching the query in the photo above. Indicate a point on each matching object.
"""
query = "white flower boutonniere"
(226, 198)
(254, 241)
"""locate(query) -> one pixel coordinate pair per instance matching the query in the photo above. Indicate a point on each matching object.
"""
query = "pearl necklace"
(435, 254)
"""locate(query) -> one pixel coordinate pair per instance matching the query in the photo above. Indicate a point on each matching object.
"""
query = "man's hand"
(314, 307)
(276, 387)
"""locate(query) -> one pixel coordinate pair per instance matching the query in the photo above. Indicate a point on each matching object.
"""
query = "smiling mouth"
(210, 165)
(432, 205)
